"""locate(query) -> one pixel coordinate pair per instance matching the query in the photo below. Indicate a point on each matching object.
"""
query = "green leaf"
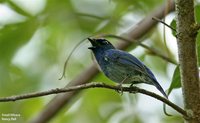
(176, 80)
(13, 36)
(198, 46)
(197, 18)
(173, 25)
(197, 13)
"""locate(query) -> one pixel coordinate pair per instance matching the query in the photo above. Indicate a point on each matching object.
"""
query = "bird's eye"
(104, 42)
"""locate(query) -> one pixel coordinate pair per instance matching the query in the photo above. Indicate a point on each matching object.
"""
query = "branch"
(131, 89)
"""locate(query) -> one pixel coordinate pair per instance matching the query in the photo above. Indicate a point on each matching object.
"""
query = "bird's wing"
(124, 58)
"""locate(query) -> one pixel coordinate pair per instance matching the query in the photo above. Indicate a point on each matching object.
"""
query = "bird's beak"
(93, 42)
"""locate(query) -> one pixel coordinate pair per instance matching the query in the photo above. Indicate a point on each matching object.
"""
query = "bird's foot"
(120, 85)
(131, 86)
(120, 90)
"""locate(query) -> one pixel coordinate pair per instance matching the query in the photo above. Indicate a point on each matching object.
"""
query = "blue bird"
(120, 66)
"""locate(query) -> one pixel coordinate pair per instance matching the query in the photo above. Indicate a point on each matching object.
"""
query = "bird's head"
(100, 44)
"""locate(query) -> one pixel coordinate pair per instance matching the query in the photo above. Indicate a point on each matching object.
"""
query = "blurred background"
(36, 37)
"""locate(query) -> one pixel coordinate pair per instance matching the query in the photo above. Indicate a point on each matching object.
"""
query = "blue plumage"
(120, 66)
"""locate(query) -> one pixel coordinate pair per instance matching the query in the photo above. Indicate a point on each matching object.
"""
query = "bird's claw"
(131, 91)
(120, 90)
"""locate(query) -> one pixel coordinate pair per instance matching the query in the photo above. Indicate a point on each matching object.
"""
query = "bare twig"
(67, 60)
(132, 89)
(159, 20)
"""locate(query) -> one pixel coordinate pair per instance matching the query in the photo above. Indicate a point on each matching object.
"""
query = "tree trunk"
(186, 38)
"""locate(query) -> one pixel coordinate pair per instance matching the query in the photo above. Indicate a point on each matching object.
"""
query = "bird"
(120, 66)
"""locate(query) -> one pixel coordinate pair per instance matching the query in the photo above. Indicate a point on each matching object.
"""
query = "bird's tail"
(155, 83)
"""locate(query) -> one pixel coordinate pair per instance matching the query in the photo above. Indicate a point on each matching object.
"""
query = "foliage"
(33, 49)
(176, 80)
